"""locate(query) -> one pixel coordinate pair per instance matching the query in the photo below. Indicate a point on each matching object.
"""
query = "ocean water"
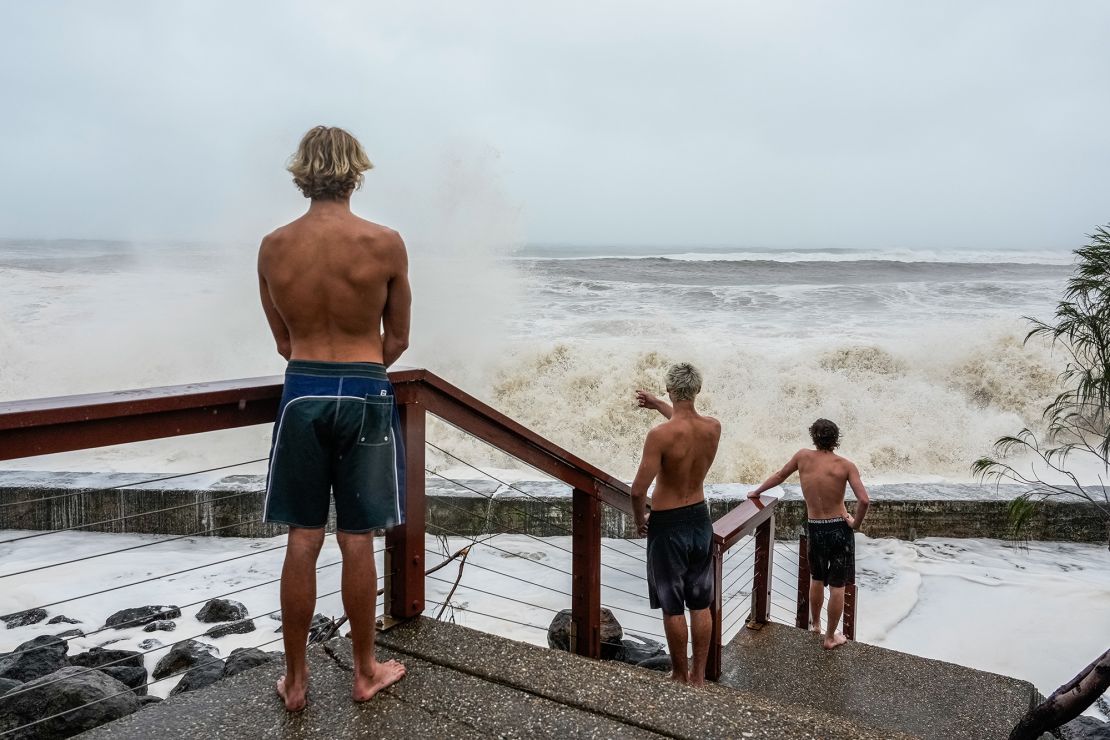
(919, 356)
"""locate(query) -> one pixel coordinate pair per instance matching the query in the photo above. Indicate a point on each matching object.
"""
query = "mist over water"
(920, 362)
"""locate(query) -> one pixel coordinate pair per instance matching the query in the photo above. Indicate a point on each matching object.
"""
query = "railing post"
(761, 583)
(716, 636)
(850, 609)
(404, 560)
(585, 605)
(802, 615)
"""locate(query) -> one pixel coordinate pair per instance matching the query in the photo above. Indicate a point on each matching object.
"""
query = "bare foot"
(385, 674)
(816, 628)
(698, 682)
(294, 695)
(834, 641)
(679, 677)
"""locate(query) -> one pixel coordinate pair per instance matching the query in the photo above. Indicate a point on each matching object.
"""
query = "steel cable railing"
(132, 484)
(523, 492)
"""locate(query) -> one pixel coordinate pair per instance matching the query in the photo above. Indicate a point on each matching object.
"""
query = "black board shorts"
(680, 559)
(832, 552)
(337, 434)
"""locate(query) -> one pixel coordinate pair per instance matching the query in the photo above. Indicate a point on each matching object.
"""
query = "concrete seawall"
(232, 506)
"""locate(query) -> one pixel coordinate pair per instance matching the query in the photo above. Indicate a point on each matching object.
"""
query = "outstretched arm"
(646, 400)
(397, 315)
(649, 467)
(778, 478)
(862, 499)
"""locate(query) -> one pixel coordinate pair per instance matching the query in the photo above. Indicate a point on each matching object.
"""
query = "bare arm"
(778, 478)
(649, 468)
(397, 314)
(863, 501)
(277, 324)
(646, 400)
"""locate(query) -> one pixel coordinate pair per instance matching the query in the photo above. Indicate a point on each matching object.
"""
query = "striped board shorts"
(338, 434)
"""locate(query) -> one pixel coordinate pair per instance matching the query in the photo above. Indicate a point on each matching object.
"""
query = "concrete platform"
(467, 684)
(875, 686)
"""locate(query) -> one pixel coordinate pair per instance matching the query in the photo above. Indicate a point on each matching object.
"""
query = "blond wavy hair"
(329, 164)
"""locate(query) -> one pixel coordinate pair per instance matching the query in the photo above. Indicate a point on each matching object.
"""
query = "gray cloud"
(786, 124)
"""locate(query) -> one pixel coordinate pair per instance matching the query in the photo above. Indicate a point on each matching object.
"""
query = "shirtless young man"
(677, 455)
(336, 294)
(832, 549)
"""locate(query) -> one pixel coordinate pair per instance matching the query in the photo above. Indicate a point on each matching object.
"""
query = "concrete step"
(875, 686)
(467, 684)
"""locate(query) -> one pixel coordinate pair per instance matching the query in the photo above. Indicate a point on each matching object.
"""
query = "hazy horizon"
(864, 125)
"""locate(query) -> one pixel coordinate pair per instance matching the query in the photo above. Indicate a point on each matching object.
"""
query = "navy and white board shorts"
(680, 559)
(338, 434)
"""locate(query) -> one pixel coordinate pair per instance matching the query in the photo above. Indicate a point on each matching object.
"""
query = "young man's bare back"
(335, 292)
(677, 456)
(824, 476)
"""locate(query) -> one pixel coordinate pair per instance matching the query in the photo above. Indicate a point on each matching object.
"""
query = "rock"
(22, 619)
(106, 643)
(204, 674)
(94, 697)
(63, 619)
(558, 633)
(635, 649)
(34, 658)
(7, 684)
(140, 615)
(242, 659)
(161, 625)
(231, 628)
(1086, 728)
(69, 633)
(149, 644)
(130, 676)
(183, 656)
(658, 663)
(99, 658)
(222, 610)
(149, 699)
(316, 627)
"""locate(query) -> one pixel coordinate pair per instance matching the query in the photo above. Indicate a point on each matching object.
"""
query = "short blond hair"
(329, 164)
(683, 381)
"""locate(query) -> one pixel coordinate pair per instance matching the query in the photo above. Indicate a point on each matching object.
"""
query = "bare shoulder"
(384, 241)
(271, 243)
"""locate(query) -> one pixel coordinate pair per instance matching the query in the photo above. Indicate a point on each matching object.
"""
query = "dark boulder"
(22, 619)
(316, 628)
(242, 659)
(149, 699)
(150, 644)
(140, 615)
(63, 619)
(635, 649)
(7, 684)
(558, 633)
(183, 656)
(222, 610)
(161, 625)
(34, 658)
(231, 628)
(204, 674)
(93, 697)
(658, 663)
(99, 657)
(130, 676)
(1086, 728)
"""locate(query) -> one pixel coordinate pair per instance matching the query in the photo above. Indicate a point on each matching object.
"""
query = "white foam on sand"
(1039, 612)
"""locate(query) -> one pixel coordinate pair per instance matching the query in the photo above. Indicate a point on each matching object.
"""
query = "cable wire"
(121, 486)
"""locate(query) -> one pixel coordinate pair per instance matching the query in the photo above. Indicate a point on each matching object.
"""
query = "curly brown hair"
(825, 435)
(329, 164)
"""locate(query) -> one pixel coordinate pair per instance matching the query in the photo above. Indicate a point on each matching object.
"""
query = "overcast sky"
(752, 124)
